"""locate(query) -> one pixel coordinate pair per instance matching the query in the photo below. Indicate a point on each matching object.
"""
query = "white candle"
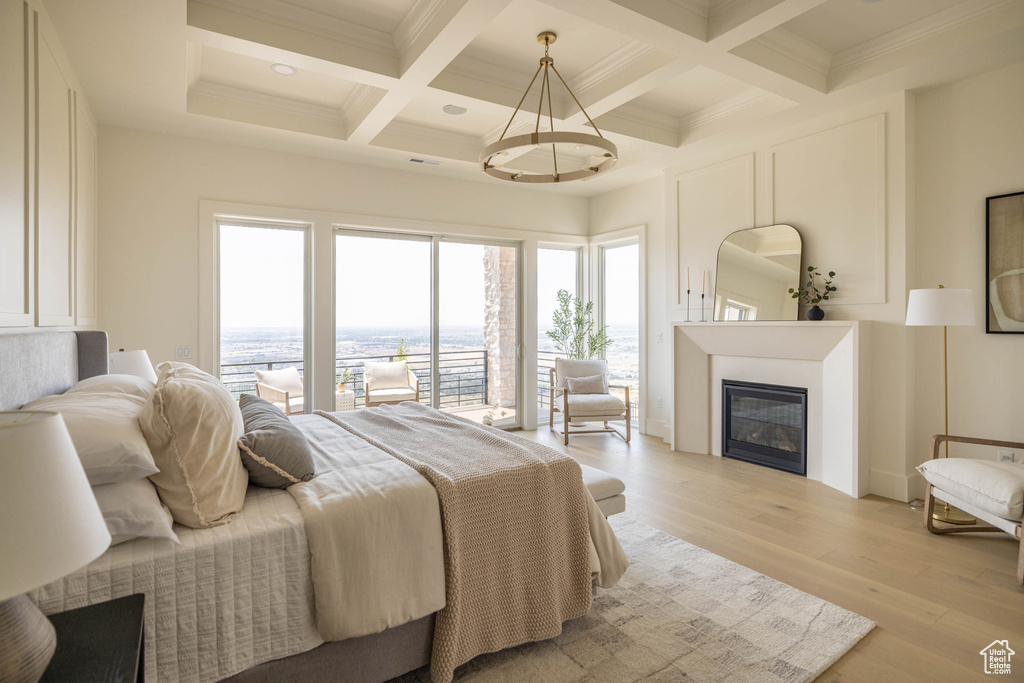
(687, 278)
(703, 277)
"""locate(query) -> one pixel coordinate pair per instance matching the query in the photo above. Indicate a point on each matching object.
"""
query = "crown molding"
(699, 7)
(733, 105)
(415, 22)
(310, 21)
(797, 49)
(627, 55)
(414, 137)
(263, 101)
(930, 26)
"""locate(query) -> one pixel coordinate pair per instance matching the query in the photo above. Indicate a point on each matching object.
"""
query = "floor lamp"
(946, 308)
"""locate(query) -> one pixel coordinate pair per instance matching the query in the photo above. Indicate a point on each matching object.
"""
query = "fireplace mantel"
(828, 357)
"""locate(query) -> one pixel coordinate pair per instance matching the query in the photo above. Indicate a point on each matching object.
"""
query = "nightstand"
(99, 643)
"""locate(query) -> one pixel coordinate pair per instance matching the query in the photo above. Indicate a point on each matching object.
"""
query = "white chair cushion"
(566, 367)
(287, 379)
(294, 403)
(595, 405)
(387, 375)
(595, 384)
(390, 395)
(995, 487)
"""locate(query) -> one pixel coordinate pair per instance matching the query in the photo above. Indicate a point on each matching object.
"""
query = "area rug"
(681, 613)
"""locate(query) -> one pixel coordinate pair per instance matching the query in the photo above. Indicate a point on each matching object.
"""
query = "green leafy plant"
(402, 352)
(574, 332)
(811, 293)
(344, 379)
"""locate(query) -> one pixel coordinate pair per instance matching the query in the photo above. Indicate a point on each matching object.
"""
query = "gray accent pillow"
(595, 384)
(274, 450)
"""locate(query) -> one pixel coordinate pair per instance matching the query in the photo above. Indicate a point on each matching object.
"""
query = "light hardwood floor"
(937, 600)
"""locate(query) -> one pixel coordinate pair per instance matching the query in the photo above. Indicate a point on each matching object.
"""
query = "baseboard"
(660, 429)
(894, 486)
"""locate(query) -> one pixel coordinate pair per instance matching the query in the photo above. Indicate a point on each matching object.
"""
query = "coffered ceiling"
(666, 80)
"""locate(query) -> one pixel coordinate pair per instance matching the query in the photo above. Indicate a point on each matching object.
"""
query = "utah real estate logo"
(997, 657)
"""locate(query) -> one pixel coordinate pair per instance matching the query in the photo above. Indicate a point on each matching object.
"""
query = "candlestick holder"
(688, 306)
(702, 308)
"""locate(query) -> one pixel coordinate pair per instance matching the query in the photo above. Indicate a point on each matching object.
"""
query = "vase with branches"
(575, 332)
(814, 293)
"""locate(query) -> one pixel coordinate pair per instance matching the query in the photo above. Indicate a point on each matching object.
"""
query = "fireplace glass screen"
(765, 424)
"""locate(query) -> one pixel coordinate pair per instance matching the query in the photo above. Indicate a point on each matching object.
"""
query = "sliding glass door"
(382, 309)
(478, 331)
(449, 308)
(263, 283)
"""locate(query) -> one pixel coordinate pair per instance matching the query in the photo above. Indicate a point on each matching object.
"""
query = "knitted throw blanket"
(514, 515)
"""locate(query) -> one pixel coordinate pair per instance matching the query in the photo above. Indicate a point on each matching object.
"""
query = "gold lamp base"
(952, 515)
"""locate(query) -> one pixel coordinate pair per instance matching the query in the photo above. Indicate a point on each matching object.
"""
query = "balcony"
(462, 381)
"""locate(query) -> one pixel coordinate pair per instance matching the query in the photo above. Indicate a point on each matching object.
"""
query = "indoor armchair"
(580, 391)
(991, 491)
(390, 383)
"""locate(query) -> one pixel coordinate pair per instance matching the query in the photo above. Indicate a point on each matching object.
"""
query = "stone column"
(500, 324)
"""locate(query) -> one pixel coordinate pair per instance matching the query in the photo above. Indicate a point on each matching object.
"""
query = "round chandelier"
(494, 155)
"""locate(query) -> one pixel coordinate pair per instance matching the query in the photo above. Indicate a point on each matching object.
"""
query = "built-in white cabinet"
(47, 182)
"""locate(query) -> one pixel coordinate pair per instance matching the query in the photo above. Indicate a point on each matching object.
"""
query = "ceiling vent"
(425, 162)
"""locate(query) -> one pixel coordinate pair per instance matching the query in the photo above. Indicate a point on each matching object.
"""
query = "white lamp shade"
(50, 524)
(132, 363)
(940, 306)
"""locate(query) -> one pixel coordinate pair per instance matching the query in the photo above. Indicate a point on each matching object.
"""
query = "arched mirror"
(756, 269)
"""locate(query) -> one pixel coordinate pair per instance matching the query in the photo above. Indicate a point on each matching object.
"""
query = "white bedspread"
(374, 525)
(226, 599)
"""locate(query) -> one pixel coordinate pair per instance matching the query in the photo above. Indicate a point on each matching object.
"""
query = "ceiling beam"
(742, 21)
(443, 29)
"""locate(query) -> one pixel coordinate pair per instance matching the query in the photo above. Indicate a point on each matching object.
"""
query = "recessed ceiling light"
(283, 69)
(454, 109)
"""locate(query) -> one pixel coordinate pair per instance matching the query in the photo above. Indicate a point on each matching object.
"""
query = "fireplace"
(765, 424)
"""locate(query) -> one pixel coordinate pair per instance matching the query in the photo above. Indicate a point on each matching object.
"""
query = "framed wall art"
(1004, 264)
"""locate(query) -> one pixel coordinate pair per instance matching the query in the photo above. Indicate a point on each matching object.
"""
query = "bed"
(235, 602)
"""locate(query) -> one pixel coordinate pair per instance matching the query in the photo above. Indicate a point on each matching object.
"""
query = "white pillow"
(114, 384)
(106, 433)
(595, 384)
(132, 509)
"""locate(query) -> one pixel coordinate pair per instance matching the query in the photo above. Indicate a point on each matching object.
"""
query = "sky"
(386, 282)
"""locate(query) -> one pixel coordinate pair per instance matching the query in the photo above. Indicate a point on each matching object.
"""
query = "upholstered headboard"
(39, 363)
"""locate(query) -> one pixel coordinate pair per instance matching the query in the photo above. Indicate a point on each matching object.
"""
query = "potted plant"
(488, 418)
(575, 335)
(402, 352)
(574, 332)
(344, 379)
(812, 295)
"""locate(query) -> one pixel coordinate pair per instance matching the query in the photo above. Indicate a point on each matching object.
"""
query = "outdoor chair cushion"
(387, 376)
(995, 487)
(595, 405)
(287, 379)
(392, 395)
(568, 367)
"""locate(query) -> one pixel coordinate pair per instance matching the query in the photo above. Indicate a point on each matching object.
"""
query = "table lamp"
(131, 363)
(50, 525)
(946, 308)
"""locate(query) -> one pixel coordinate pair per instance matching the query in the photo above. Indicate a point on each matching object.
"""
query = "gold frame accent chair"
(390, 383)
(983, 488)
(589, 404)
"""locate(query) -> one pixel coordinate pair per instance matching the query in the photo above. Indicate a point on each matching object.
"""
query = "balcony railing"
(462, 375)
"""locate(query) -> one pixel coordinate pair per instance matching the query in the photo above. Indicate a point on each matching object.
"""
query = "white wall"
(151, 185)
(844, 183)
(970, 145)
